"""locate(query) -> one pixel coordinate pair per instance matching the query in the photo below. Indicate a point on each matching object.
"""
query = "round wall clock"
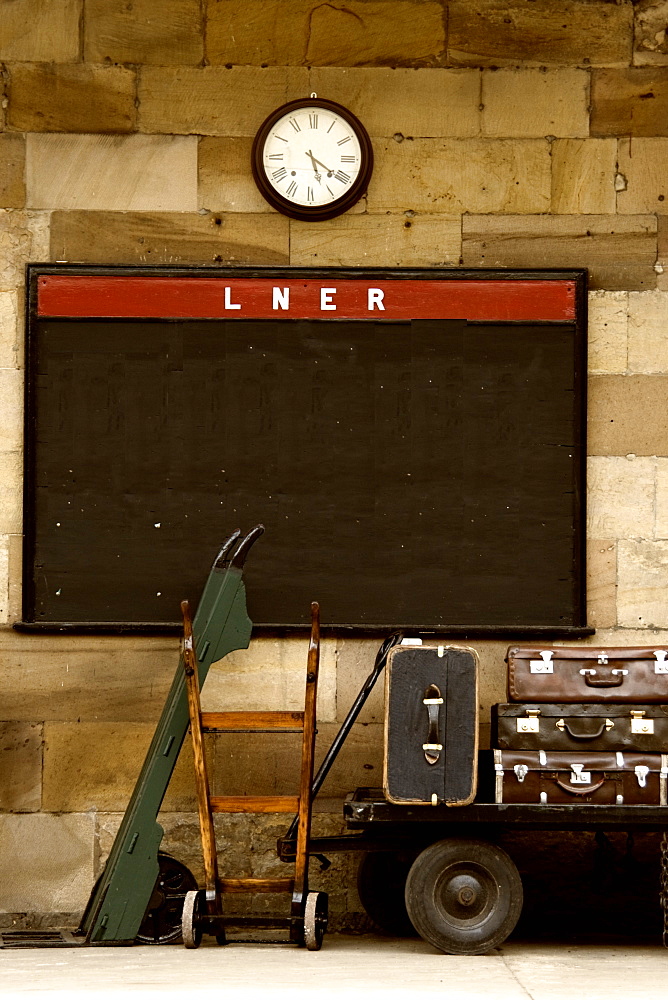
(312, 159)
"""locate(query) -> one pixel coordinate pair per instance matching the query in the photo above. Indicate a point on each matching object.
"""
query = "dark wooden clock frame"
(303, 212)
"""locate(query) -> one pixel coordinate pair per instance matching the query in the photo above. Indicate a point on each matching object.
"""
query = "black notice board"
(421, 472)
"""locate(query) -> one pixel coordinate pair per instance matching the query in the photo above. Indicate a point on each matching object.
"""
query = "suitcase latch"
(602, 657)
(578, 776)
(642, 771)
(432, 749)
(640, 725)
(521, 771)
(660, 667)
(544, 665)
(531, 723)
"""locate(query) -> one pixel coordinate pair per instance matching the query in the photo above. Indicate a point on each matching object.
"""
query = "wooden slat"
(255, 803)
(256, 884)
(253, 722)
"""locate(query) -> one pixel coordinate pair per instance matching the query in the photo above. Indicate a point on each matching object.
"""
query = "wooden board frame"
(539, 282)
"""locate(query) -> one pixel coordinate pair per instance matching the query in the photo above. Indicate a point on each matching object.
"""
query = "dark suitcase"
(570, 727)
(567, 673)
(431, 725)
(540, 776)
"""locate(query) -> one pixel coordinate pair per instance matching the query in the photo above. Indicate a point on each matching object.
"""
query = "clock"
(312, 159)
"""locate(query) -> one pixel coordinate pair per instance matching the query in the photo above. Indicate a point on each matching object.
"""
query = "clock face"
(312, 159)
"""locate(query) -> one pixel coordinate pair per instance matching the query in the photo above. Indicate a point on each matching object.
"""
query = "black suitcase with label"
(431, 725)
(566, 727)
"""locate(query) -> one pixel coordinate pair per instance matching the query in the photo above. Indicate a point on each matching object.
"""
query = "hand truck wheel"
(315, 920)
(191, 927)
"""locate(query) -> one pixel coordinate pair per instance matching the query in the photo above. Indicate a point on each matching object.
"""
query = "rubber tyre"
(315, 920)
(191, 928)
(381, 885)
(464, 896)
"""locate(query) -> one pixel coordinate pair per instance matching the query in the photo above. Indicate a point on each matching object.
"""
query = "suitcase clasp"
(602, 657)
(660, 667)
(531, 723)
(640, 725)
(544, 665)
(578, 776)
(521, 771)
(642, 771)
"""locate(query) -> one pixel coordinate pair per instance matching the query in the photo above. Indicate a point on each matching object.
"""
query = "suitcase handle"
(596, 680)
(432, 700)
(579, 791)
(562, 724)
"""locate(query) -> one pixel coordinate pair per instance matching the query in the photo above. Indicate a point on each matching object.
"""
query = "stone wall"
(506, 133)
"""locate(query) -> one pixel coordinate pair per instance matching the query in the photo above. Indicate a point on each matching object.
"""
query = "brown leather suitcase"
(544, 777)
(431, 725)
(569, 727)
(571, 674)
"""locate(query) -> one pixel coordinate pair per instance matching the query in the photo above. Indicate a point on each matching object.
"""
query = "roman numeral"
(278, 156)
(341, 141)
(313, 121)
(279, 137)
(340, 176)
(278, 175)
(295, 124)
(330, 190)
(331, 127)
(348, 159)
(291, 190)
(309, 194)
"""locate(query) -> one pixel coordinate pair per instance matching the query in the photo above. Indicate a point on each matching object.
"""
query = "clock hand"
(315, 169)
(309, 153)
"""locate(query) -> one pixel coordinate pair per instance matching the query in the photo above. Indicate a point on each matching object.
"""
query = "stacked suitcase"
(583, 725)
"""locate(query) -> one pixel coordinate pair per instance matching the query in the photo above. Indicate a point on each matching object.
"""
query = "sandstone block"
(608, 331)
(15, 556)
(661, 522)
(46, 862)
(12, 166)
(625, 637)
(4, 579)
(375, 32)
(10, 350)
(102, 678)
(450, 176)
(11, 410)
(619, 251)
(620, 497)
(169, 238)
(21, 772)
(496, 32)
(141, 32)
(381, 240)
(425, 102)
(583, 176)
(648, 332)
(643, 164)
(40, 30)
(650, 42)
(214, 100)
(643, 578)
(627, 415)
(629, 102)
(102, 761)
(11, 492)
(113, 172)
(553, 102)
(271, 675)
(601, 583)
(23, 238)
(225, 182)
(50, 97)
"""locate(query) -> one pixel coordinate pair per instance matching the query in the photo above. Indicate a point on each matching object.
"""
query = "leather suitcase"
(569, 727)
(431, 725)
(541, 776)
(570, 674)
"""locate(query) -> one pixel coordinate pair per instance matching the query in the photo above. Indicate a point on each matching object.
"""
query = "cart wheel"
(381, 883)
(315, 920)
(191, 927)
(464, 896)
(162, 920)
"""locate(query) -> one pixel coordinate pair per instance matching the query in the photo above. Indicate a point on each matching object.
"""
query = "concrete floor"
(369, 967)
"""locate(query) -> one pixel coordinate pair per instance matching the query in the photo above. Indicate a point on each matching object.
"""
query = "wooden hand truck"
(203, 909)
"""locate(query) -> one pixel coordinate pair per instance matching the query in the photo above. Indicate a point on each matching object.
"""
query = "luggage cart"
(203, 910)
